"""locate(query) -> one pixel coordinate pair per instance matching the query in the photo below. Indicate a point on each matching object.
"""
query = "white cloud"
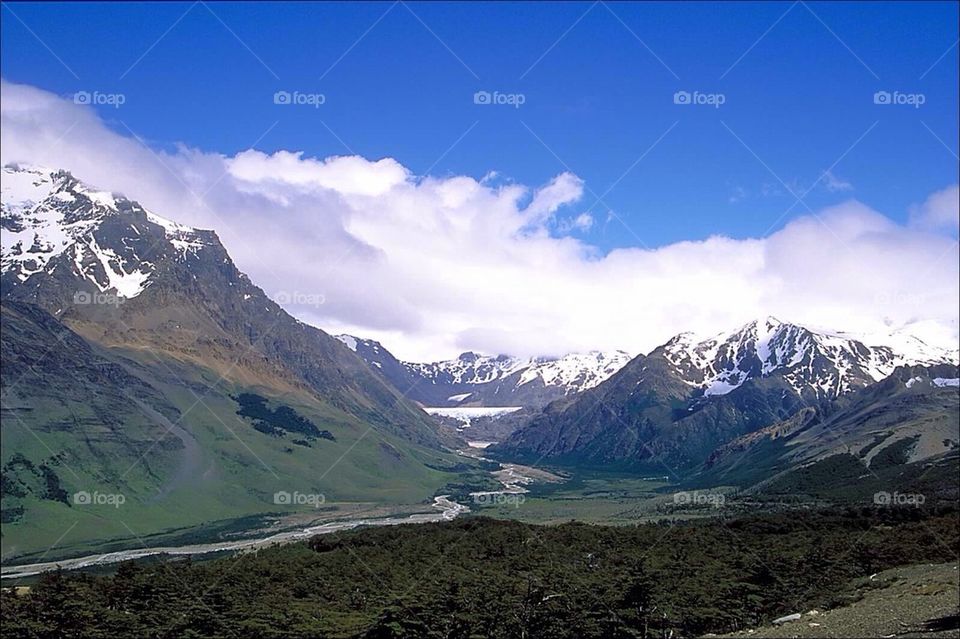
(432, 266)
(563, 189)
(940, 211)
(581, 223)
(350, 175)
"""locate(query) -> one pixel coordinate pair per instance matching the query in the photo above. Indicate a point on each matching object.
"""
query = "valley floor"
(443, 510)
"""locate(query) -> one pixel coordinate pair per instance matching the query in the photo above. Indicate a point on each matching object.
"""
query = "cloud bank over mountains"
(433, 266)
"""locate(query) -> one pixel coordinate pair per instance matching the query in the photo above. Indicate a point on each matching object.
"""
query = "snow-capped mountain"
(483, 380)
(52, 221)
(692, 394)
(121, 276)
(826, 364)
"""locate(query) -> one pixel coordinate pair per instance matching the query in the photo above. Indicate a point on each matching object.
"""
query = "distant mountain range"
(677, 404)
(482, 380)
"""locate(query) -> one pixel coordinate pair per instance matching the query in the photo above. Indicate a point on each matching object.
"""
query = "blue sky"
(596, 98)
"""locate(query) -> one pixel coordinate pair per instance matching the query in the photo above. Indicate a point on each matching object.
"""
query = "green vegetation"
(844, 479)
(120, 444)
(592, 496)
(478, 577)
(210, 468)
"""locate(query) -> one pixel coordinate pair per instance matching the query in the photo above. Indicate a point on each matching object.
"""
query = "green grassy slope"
(167, 437)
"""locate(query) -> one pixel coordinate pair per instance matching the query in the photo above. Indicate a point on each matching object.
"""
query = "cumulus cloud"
(432, 266)
(350, 175)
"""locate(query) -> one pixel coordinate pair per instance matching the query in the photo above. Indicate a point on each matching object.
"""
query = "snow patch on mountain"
(127, 283)
(349, 340)
(47, 213)
(577, 371)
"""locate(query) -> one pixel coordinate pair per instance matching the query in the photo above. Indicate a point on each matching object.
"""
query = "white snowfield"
(466, 414)
(48, 213)
(829, 363)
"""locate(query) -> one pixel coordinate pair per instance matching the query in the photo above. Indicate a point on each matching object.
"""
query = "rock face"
(481, 380)
(690, 395)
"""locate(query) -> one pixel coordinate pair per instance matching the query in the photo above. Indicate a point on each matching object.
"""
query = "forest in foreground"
(479, 577)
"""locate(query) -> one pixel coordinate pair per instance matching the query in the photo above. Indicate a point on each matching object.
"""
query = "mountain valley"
(127, 339)
(139, 361)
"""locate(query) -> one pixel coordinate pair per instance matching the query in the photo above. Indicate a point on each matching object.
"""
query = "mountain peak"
(52, 220)
(823, 363)
(766, 323)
